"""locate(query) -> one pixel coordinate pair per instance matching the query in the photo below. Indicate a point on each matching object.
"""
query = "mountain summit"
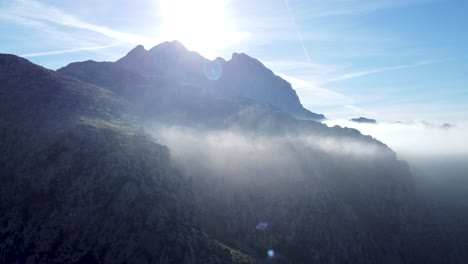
(172, 64)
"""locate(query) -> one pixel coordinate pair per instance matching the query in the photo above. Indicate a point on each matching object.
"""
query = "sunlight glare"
(201, 25)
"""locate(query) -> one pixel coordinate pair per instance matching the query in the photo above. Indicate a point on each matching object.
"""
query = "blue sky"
(392, 60)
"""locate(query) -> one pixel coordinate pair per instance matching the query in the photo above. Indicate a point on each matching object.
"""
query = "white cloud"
(356, 74)
(415, 139)
(36, 11)
(57, 52)
(313, 84)
(321, 95)
(236, 154)
(351, 7)
(60, 29)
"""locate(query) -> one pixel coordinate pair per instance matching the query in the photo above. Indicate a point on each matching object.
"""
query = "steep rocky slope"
(81, 185)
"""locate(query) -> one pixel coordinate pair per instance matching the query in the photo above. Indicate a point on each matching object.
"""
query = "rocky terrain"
(81, 185)
(166, 157)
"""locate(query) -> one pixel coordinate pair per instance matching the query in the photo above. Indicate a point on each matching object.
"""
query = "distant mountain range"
(426, 124)
(166, 157)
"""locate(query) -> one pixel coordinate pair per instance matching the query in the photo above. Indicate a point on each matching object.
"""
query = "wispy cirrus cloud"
(302, 73)
(317, 98)
(311, 80)
(7, 15)
(351, 7)
(326, 100)
(284, 20)
(57, 52)
(356, 74)
(319, 74)
(64, 28)
(38, 12)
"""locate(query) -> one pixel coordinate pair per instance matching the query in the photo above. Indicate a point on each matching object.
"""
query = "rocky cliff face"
(247, 77)
(81, 185)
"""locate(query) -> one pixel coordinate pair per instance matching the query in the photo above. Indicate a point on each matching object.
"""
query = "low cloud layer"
(436, 155)
(235, 153)
(416, 139)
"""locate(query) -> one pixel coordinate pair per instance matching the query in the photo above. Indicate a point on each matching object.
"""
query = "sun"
(201, 25)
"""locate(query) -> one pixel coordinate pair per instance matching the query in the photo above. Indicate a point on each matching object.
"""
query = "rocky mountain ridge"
(172, 67)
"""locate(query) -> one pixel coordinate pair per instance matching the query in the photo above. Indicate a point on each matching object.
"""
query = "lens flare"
(262, 226)
(271, 253)
(213, 70)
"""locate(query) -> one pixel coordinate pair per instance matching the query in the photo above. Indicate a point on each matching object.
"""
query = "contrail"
(299, 35)
(39, 54)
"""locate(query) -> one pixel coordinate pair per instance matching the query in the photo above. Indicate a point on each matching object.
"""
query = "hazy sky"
(385, 59)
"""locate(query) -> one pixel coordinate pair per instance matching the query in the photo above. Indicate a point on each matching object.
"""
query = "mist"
(434, 153)
(437, 157)
(416, 139)
(243, 179)
(289, 183)
(236, 153)
(438, 160)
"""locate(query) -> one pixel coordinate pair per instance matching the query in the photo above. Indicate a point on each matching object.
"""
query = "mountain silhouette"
(171, 68)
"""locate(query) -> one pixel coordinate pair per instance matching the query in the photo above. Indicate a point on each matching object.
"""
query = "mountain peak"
(12, 64)
(242, 57)
(7, 59)
(169, 45)
(220, 59)
(134, 56)
(241, 76)
(138, 50)
(243, 60)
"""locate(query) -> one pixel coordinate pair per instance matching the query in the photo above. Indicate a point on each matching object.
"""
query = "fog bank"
(416, 139)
